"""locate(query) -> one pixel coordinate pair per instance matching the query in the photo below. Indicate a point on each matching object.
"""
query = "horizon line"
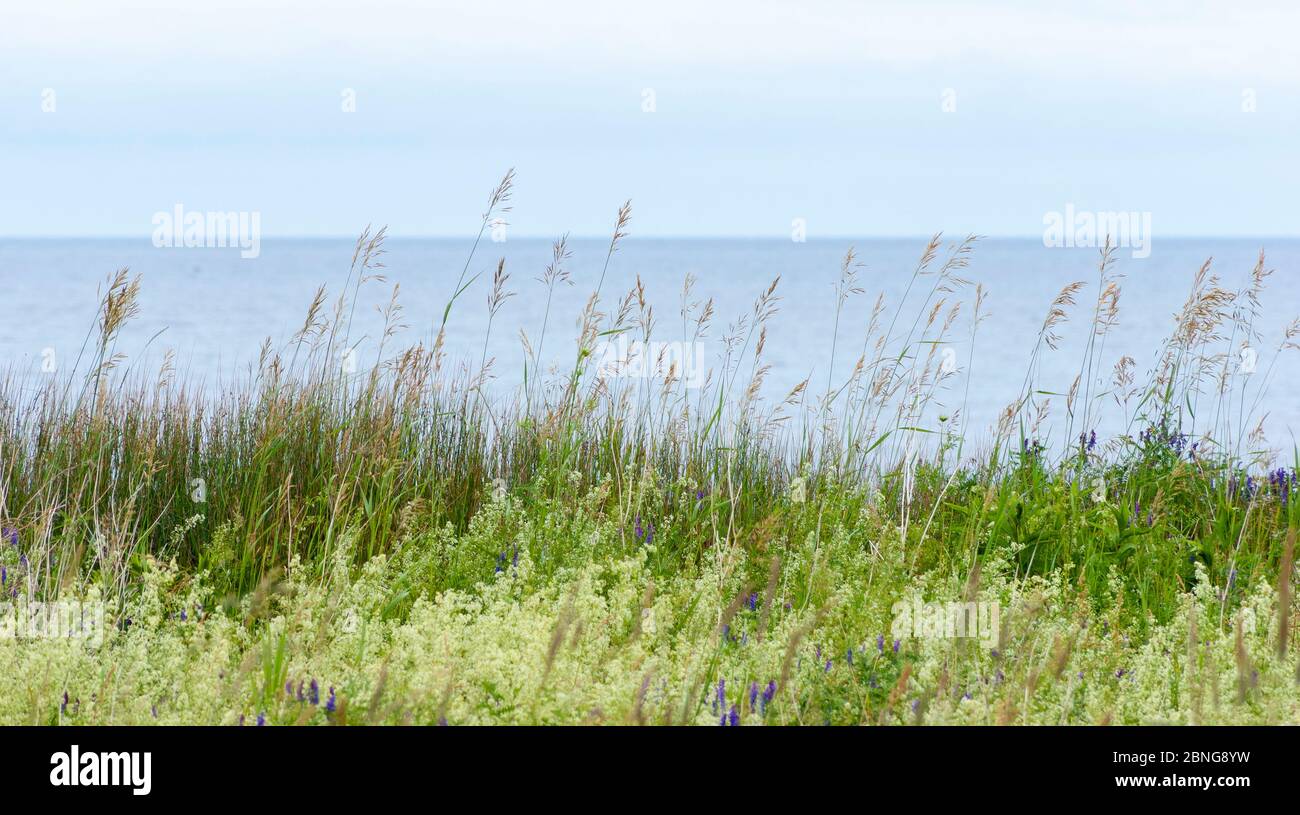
(657, 236)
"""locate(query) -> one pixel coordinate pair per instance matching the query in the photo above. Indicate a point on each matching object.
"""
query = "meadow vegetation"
(404, 540)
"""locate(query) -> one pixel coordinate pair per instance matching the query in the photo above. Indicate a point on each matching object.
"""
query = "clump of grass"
(406, 492)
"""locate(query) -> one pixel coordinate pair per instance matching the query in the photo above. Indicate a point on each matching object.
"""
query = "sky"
(724, 118)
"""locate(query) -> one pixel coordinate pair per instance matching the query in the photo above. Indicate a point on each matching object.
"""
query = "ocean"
(213, 309)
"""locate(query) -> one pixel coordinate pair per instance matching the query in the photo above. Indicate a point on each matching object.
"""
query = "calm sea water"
(214, 309)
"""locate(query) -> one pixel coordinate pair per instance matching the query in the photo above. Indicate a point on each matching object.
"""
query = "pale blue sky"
(765, 112)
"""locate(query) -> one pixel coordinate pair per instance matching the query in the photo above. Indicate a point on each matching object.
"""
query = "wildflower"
(300, 696)
(798, 490)
(828, 665)
(331, 704)
(752, 602)
(1282, 481)
(639, 531)
(897, 643)
(650, 533)
(769, 693)
(63, 708)
(880, 643)
(261, 719)
(733, 717)
(10, 534)
(1099, 491)
(315, 693)
(753, 696)
(849, 656)
(721, 701)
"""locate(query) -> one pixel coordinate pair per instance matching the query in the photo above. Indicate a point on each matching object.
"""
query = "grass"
(591, 547)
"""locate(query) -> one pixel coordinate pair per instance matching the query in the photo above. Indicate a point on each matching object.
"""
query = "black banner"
(144, 766)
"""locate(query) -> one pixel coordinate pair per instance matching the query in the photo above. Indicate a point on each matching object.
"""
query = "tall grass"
(105, 466)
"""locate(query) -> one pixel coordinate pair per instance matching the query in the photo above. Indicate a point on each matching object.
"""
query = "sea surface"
(213, 309)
